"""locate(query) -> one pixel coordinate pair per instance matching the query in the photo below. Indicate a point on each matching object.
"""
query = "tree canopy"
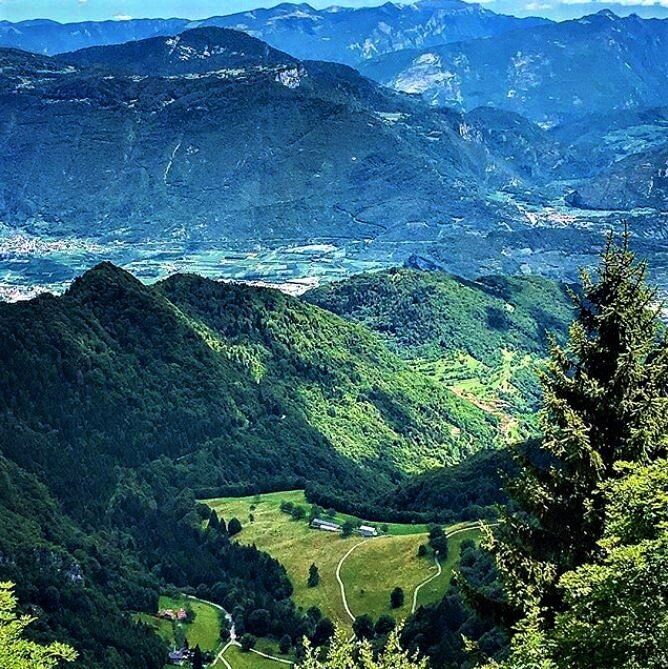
(583, 551)
(17, 652)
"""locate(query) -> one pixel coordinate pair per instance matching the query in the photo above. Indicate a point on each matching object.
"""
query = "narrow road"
(221, 655)
(342, 587)
(439, 571)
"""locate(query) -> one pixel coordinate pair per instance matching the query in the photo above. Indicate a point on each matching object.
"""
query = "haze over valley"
(478, 144)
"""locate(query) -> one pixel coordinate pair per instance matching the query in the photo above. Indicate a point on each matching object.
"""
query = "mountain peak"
(607, 13)
(101, 277)
(195, 51)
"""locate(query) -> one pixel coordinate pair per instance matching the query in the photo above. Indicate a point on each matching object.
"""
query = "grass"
(293, 544)
(378, 566)
(370, 573)
(240, 660)
(433, 591)
(203, 631)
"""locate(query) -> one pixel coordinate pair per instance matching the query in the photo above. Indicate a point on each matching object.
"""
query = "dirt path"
(342, 587)
(418, 587)
(439, 569)
(221, 655)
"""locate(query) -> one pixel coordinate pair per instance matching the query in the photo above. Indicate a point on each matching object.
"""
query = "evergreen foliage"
(605, 400)
(397, 598)
(313, 576)
(234, 527)
(583, 553)
(247, 642)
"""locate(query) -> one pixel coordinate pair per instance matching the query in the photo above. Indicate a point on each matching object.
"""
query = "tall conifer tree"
(605, 399)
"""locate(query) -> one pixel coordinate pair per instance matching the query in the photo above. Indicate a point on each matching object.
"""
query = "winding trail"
(418, 587)
(221, 655)
(439, 569)
(342, 587)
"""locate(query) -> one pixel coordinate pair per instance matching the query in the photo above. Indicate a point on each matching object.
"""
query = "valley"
(338, 174)
(549, 239)
(368, 573)
(319, 329)
(356, 575)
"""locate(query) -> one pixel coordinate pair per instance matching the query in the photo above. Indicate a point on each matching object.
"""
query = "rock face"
(640, 180)
(339, 34)
(549, 74)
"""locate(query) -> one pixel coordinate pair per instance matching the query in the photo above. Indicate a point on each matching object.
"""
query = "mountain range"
(339, 34)
(550, 73)
(228, 151)
(213, 135)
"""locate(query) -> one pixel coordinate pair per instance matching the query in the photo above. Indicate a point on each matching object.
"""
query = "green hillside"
(427, 315)
(229, 383)
(368, 568)
(482, 339)
(81, 582)
(124, 402)
(139, 399)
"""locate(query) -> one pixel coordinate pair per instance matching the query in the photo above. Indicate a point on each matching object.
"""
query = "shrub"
(247, 642)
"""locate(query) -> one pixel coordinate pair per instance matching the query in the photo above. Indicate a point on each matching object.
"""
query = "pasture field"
(369, 573)
(240, 660)
(203, 631)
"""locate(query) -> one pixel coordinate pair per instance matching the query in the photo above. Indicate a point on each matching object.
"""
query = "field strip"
(342, 587)
(221, 655)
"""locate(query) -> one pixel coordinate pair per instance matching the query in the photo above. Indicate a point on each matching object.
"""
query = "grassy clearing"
(378, 566)
(203, 631)
(370, 573)
(294, 545)
(240, 660)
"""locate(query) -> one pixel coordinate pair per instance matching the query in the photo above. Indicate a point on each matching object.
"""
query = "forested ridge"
(124, 403)
(121, 403)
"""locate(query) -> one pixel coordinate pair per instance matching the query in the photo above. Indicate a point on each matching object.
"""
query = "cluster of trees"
(346, 653)
(429, 314)
(438, 541)
(218, 524)
(18, 652)
(469, 490)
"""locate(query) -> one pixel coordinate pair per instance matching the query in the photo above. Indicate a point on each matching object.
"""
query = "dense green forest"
(422, 314)
(125, 403)
(487, 338)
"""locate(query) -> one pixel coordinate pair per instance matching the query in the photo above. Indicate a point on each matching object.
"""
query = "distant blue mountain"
(338, 34)
(550, 73)
(214, 135)
(50, 37)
